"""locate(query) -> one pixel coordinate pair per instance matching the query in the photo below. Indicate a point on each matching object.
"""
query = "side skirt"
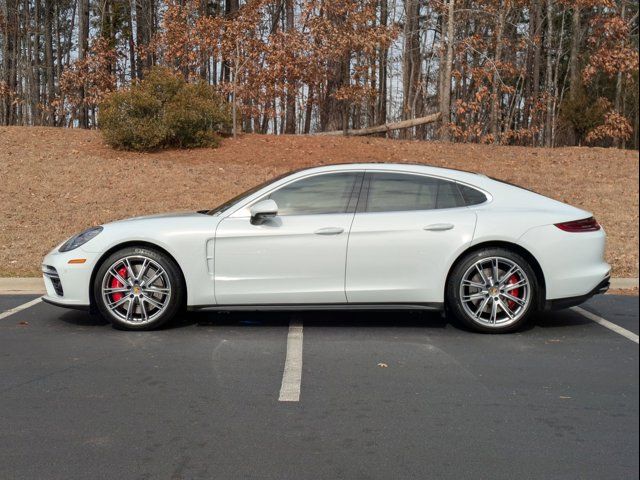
(433, 307)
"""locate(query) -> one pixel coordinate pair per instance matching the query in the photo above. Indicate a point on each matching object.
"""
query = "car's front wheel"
(138, 288)
(492, 290)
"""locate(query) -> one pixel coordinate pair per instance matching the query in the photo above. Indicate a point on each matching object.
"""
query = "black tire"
(453, 291)
(176, 287)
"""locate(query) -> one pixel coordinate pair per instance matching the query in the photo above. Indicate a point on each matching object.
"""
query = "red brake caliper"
(515, 292)
(116, 284)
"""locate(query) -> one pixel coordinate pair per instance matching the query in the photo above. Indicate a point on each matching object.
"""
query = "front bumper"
(51, 301)
(68, 284)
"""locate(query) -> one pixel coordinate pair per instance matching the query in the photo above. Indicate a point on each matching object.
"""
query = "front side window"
(395, 192)
(320, 194)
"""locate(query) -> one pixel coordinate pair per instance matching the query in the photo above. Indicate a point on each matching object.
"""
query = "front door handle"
(329, 231)
(439, 227)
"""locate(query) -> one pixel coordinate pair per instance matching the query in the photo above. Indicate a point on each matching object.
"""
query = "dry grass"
(630, 292)
(56, 182)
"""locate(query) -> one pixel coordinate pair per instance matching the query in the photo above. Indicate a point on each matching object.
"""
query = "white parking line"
(607, 324)
(20, 307)
(292, 376)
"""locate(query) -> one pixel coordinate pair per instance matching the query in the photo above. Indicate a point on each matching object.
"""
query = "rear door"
(299, 256)
(406, 230)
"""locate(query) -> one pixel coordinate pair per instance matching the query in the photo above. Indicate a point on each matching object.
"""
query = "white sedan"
(358, 236)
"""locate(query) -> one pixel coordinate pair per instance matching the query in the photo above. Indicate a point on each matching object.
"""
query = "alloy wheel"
(495, 292)
(136, 289)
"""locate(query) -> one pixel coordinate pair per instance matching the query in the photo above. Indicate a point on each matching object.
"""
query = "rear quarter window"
(472, 196)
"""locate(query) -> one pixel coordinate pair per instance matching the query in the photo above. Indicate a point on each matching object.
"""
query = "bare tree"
(549, 82)
(445, 87)
(291, 86)
(383, 59)
(412, 61)
(496, 82)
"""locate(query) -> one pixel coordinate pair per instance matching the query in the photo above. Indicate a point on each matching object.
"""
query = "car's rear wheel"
(138, 288)
(492, 290)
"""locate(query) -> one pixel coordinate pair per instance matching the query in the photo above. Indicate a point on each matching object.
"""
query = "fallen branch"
(388, 127)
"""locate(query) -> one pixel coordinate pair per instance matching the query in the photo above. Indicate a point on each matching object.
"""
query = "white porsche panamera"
(365, 236)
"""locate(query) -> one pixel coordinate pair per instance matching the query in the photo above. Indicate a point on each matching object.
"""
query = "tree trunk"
(574, 66)
(145, 29)
(619, 143)
(308, 111)
(574, 63)
(230, 8)
(334, 113)
(383, 54)
(528, 78)
(496, 99)
(36, 74)
(445, 92)
(537, 56)
(58, 69)
(411, 59)
(48, 61)
(291, 82)
(131, 40)
(549, 86)
(442, 58)
(83, 29)
(557, 95)
(83, 51)
(388, 127)
(10, 55)
(204, 57)
(371, 105)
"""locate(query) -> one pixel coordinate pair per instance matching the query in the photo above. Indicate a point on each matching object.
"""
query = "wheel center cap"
(137, 290)
(493, 291)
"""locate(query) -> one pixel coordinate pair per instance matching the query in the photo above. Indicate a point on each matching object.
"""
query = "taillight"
(577, 226)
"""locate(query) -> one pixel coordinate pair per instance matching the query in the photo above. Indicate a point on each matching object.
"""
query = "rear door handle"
(439, 227)
(329, 231)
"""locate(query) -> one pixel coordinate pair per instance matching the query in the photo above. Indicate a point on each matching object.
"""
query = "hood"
(165, 230)
(166, 216)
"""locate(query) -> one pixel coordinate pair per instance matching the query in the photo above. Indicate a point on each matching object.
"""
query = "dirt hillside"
(55, 182)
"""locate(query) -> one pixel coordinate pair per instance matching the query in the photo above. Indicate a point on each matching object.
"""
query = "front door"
(299, 256)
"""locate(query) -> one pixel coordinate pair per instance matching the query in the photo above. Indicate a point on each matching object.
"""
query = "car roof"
(450, 173)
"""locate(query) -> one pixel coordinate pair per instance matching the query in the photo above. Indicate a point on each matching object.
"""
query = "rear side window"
(394, 192)
(471, 195)
(320, 194)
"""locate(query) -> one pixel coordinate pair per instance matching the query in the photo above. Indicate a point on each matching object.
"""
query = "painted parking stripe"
(292, 376)
(606, 323)
(20, 308)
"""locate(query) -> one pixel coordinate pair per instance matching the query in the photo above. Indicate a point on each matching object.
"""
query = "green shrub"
(582, 112)
(164, 111)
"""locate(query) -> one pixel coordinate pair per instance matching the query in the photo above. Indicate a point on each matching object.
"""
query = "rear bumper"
(560, 303)
(573, 263)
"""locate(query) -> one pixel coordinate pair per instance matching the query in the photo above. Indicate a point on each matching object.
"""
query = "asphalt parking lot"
(381, 396)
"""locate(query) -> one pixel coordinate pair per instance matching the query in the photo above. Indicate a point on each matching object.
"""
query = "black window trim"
(488, 198)
(364, 192)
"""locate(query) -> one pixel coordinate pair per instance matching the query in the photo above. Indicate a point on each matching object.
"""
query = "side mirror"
(263, 210)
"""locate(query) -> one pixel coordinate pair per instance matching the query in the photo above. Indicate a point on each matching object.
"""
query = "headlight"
(80, 239)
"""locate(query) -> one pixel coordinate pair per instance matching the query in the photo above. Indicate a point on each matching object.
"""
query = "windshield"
(230, 203)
